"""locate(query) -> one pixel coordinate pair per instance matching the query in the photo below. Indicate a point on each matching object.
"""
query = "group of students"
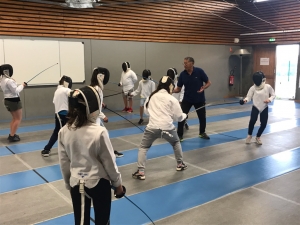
(86, 156)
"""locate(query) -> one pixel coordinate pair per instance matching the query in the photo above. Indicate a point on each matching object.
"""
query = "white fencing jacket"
(10, 88)
(100, 92)
(128, 80)
(86, 153)
(259, 96)
(60, 99)
(145, 88)
(179, 96)
(163, 110)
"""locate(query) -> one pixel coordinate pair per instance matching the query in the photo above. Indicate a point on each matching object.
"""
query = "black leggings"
(201, 113)
(101, 195)
(263, 120)
(63, 119)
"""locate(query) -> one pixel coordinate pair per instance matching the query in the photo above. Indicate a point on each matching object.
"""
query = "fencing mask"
(146, 75)
(6, 70)
(172, 73)
(125, 66)
(86, 97)
(259, 79)
(169, 82)
(102, 76)
(67, 82)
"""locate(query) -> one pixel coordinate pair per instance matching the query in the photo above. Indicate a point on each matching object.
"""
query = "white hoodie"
(128, 80)
(259, 95)
(163, 110)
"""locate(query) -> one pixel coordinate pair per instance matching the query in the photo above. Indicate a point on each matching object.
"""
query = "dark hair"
(77, 115)
(190, 59)
(161, 86)
(94, 80)
(62, 79)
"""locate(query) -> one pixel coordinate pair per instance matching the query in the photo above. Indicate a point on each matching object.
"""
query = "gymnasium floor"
(227, 182)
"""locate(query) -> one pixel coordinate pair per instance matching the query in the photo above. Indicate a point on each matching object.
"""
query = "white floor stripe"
(277, 196)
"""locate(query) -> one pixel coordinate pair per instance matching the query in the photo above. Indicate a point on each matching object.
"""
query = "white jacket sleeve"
(178, 115)
(250, 94)
(12, 86)
(121, 79)
(133, 77)
(145, 108)
(138, 90)
(108, 159)
(153, 86)
(64, 162)
(272, 93)
(181, 94)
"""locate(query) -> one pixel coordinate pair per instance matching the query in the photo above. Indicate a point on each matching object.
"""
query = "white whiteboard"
(31, 57)
(72, 58)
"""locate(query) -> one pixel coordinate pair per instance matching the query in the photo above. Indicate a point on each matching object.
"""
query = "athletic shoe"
(129, 110)
(140, 121)
(204, 136)
(138, 175)
(248, 139)
(187, 127)
(118, 154)
(15, 135)
(125, 109)
(14, 138)
(46, 153)
(180, 138)
(181, 167)
(258, 141)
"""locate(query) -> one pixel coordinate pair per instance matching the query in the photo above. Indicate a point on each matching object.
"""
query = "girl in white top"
(99, 78)
(261, 94)
(87, 159)
(145, 88)
(128, 79)
(163, 109)
(12, 100)
(60, 101)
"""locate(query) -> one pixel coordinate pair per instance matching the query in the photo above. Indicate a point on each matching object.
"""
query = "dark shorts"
(12, 106)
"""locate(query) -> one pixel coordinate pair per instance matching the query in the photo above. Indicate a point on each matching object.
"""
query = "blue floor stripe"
(29, 147)
(15, 181)
(52, 173)
(195, 191)
(42, 127)
(4, 151)
(33, 146)
(202, 189)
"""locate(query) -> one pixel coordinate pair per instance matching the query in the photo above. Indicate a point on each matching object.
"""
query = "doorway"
(286, 71)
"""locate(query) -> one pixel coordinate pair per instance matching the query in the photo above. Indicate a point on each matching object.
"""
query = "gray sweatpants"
(150, 135)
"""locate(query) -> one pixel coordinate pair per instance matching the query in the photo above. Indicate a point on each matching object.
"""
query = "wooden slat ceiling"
(181, 21)
(174, 21)
(282, 15)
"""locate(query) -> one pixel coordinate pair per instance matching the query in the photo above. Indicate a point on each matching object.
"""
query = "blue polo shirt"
(192, 83)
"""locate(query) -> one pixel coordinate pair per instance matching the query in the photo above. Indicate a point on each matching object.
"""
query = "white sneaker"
(258, 141)
(248, 139)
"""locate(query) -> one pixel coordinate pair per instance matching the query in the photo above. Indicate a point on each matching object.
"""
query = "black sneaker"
(140, 121)
(118, 154)
(13, 138)
(181, 167)
(138, 175)
(45, 153)
(186, 126)
(204, 136)
(180, 138)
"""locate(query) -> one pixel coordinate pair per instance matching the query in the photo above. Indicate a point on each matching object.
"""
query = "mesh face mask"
(171, 86)
(90, 99)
